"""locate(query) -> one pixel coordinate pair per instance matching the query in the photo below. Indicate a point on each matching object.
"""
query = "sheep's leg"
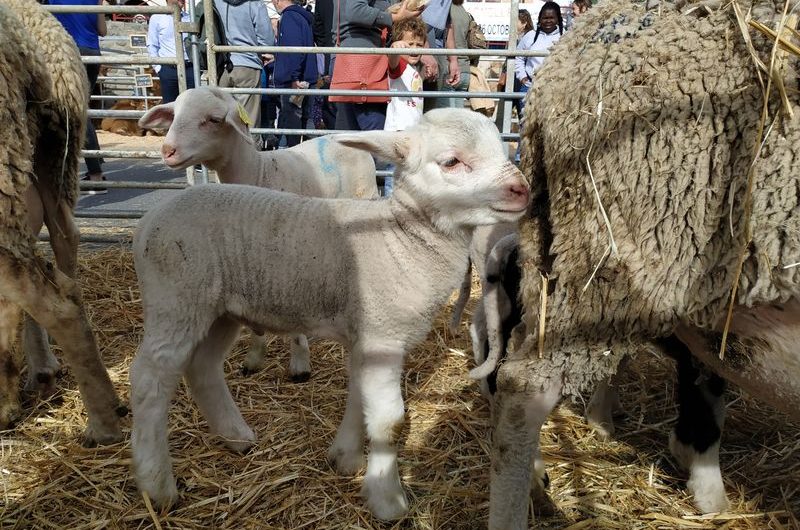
(461, 301)
(346, 453)
(480, 345)
(695, 440)
(518, 418)
(604, 406)
(43, 207)
(9, 373)
(384, 414)
(43, 367)
(299, 359)
(206, 380)
(54, 301)
(154, 376)
(256, 357)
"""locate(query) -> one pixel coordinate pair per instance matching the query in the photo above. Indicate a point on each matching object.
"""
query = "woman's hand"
(404, 12)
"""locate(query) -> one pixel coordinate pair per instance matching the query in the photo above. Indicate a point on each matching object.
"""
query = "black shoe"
(93, 190)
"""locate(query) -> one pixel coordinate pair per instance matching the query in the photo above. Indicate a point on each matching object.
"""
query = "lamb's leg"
(43, 367)
(256, 357)
(461, 301)
(480, 345)
(299, 360)
(346, 453)
(384, 414)
(54, 301)
(9, 373)
(154, 376)
(206, 380)
(603, 406)
(695, 440)
(518, 418)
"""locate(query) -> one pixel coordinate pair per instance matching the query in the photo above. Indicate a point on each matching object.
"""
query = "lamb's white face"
(203, 123)
(454, 163)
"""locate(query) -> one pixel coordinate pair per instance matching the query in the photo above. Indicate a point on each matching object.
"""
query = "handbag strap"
(338, 20)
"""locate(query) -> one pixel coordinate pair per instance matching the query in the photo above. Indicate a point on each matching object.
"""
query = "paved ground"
(124, 200)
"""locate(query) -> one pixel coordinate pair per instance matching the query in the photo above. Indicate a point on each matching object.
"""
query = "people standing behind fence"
(459, 27)
(86, 30)
(246, 23)
(161, 43)
(294, 70)
(547, 32)
(323, 36)
(404, 111)
(440, 35)
(364, 24)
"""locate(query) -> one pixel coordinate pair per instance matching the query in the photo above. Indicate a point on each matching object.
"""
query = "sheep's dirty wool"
(641, 130)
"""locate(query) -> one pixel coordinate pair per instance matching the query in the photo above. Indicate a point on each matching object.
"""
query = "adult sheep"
(206, 127)
(292, 264)
(661, 110)
(43, 109)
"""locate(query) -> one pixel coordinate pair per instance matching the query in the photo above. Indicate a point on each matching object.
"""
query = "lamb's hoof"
(246, 371)
(386, 501)
(546, 481)
(241, 444)
(543, 505)
(346, 463)
(43, 383)
(164, 498)
(709, 497)
(95, 435)
(10, 414)
(300, 378)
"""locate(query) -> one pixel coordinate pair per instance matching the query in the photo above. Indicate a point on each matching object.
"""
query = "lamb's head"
(454, 166)
(204, 126)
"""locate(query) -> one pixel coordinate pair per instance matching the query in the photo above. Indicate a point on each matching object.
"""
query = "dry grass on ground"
(49, 481)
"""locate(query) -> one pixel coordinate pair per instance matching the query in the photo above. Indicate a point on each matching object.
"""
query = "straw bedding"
(50, 481)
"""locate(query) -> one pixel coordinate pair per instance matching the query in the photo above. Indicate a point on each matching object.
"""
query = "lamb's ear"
(159, 117)
(238, 118)
(392, 146)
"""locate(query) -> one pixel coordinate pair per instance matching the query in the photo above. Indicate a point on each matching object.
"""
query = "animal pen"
(630, 482)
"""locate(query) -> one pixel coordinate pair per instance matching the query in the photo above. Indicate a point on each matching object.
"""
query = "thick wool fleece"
(53, 60)
(20, 76)
(666, 108)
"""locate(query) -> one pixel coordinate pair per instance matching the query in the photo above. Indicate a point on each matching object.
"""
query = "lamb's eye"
(214, 120)
(451, 162)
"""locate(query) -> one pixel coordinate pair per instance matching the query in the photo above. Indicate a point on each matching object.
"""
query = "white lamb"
(206, 127)
(370, 274)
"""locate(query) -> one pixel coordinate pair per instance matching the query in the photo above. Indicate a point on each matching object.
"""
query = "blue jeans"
(461, 86)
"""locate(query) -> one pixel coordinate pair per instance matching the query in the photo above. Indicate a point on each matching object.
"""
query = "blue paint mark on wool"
(328, 166)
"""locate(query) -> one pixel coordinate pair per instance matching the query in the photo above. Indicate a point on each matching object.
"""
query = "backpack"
(475, 37)
(223, 60)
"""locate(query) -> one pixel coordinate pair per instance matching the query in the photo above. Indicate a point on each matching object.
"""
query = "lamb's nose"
(167, 150)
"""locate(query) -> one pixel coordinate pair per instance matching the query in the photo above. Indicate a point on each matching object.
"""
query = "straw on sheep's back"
(669, 149)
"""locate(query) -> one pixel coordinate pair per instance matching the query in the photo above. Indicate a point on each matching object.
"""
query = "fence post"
(510, 77)
(208, 14)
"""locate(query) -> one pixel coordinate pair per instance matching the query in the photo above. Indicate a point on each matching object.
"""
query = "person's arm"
(395, 60)
(454, 72)
(292, 35)
(520, 62)
(319, 26)
(430, 65)
(263, 26)
(101, 22)
(152, 37)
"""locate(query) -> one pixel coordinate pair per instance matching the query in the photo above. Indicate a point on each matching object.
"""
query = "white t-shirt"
(403, 112)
